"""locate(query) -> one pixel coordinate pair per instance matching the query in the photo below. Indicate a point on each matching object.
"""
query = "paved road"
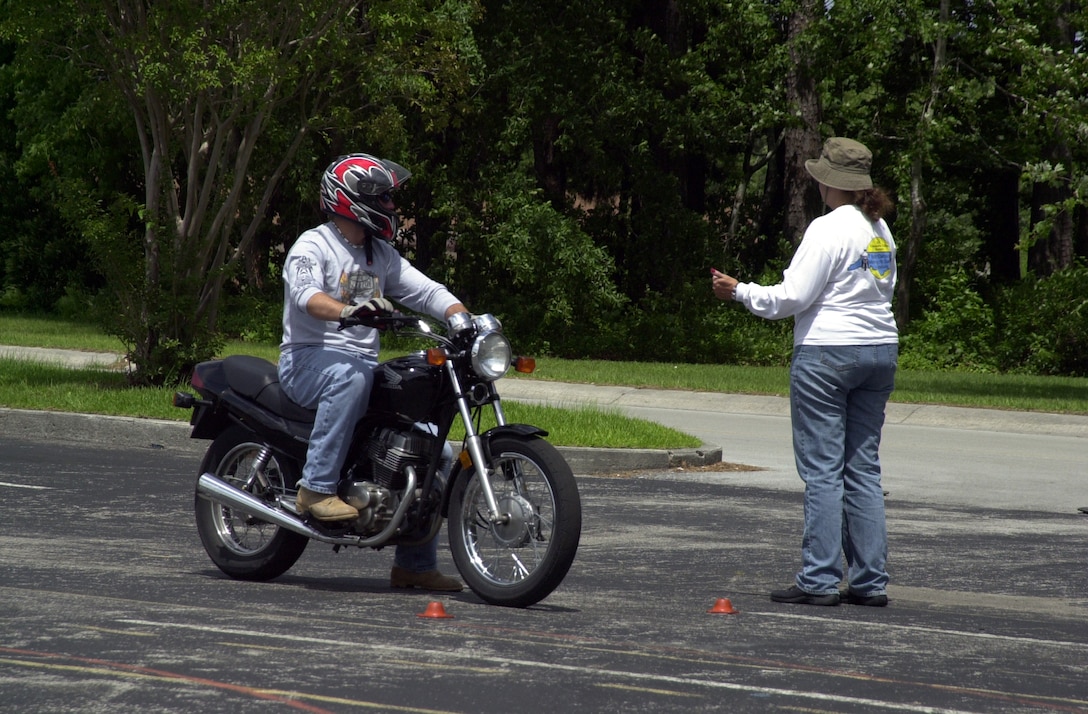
(930, 454)
(110, 605)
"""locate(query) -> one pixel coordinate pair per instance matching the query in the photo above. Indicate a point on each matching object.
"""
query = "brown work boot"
(429, 580)
(324, 506)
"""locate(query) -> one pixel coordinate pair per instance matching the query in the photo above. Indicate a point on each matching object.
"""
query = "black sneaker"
(796, 596)
(853, 598)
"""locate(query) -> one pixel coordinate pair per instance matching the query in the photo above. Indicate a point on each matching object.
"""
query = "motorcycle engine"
(375, 504)
(390, 451)
(377, 493)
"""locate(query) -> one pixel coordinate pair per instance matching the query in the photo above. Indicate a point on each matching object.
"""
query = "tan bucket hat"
(843, 164)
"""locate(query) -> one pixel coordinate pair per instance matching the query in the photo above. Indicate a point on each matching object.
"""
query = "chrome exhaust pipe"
(216, 489)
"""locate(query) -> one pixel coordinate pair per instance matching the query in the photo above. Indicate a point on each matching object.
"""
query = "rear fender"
(209, 417)
(209, 420)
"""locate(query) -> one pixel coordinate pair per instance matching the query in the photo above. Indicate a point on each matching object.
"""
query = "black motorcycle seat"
(259, 380)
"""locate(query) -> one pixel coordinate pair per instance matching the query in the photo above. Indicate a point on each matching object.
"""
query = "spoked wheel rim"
(508, 553)
(240, 532)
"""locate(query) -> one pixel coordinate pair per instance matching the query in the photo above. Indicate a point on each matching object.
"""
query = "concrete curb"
(107, 431)
(585, 460)
(89, 428)
(98, 430)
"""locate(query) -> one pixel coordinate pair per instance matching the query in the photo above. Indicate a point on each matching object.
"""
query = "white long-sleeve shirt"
(323, 261)
(838, 286)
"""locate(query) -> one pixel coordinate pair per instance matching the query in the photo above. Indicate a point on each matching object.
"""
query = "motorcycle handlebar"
(380, 321)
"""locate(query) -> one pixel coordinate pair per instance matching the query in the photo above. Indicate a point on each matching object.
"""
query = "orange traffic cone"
(723, 607)
(435, 610)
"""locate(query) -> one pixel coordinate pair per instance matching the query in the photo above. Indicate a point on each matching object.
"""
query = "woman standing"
(838, 288)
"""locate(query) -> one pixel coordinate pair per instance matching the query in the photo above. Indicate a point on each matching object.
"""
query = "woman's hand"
(725, 286)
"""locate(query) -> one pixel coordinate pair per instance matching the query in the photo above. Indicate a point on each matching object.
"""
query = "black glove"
(371, 308)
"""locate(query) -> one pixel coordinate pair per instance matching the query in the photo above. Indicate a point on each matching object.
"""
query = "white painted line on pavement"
(23, 485)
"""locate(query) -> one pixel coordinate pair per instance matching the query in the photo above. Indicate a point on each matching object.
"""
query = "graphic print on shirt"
(304, 272)
(877, 259)
(360, 284)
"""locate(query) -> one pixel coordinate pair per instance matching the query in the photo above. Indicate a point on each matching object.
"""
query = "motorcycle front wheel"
(520, 561)
(244, 547)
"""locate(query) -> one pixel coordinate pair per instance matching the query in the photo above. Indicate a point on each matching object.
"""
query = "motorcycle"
(510, 500)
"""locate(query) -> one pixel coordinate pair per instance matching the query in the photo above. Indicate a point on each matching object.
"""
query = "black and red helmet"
(359, 187)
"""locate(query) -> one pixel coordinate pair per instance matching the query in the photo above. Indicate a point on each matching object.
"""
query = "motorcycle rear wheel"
(519, 563)
(244, 547)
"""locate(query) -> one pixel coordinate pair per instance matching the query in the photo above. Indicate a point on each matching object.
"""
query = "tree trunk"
(1001, 225)
(1055, 252)
(801, 142)
(772, 203)
(550, 174)
(749, 169)
(908, 251)
(1080, 234)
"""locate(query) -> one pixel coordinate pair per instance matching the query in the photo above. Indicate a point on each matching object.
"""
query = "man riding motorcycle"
(342, 268)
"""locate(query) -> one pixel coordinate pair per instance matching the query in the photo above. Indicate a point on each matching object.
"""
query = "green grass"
(32, 385)
(26, 385)
(22, 331)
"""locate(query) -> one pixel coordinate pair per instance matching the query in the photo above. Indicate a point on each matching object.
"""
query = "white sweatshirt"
(323, 261)
(839, 284)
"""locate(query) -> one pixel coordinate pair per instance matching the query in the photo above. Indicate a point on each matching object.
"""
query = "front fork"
(474, 446)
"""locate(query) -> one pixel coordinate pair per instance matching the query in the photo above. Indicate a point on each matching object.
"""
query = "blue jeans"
(424, 557)
(837, 400)
(337, 384)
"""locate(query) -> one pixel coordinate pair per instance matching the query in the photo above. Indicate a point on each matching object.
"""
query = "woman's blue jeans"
(337, 384)
(837, 400)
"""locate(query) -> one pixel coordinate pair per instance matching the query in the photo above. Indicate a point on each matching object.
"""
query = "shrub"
(1043, 323)
(958, 334)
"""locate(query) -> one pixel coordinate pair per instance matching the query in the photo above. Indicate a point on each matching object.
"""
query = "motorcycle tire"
(244, 547)
(521, 562)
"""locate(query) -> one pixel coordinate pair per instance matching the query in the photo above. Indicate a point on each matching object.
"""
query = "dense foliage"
(578, 164)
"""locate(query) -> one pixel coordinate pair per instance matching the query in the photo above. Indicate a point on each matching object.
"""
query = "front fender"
(460, 470)
(516, 429)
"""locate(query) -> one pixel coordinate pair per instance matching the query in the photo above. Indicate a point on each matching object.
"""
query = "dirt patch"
(720, 467)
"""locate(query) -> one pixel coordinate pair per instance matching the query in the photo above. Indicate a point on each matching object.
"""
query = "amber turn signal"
(436, 357)
(525, 365)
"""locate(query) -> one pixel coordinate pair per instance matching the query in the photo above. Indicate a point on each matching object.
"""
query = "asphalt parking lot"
(111, 604)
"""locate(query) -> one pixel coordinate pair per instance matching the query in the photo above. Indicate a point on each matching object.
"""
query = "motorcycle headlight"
(491, 356)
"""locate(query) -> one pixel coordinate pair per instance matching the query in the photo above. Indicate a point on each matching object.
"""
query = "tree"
(1045, 43)
(802, 139)
(597, 155)
(920, 142)
(223, 96)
